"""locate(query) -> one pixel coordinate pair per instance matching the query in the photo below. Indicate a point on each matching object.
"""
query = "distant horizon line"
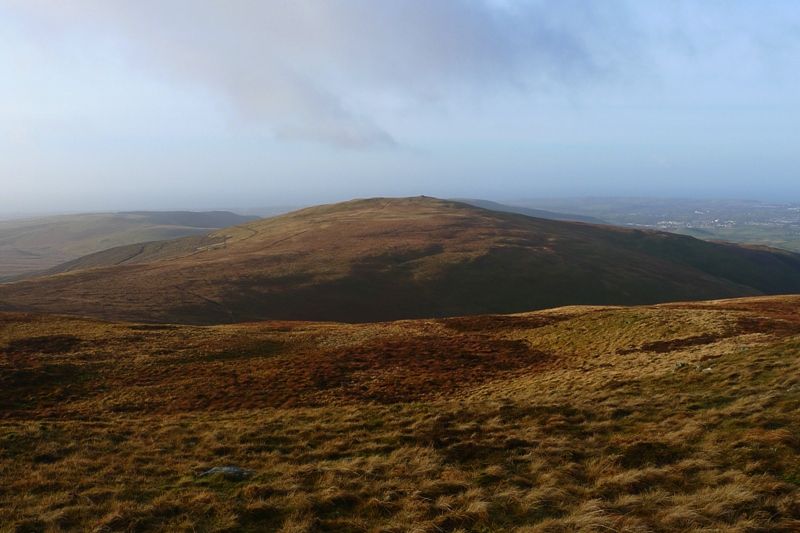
(285, 207)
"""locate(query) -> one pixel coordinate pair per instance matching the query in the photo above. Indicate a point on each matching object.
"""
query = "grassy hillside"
(384, 259)
(37, 244)
(680, 417)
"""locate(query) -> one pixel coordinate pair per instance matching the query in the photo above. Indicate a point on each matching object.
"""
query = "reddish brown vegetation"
(46, 345)
(495, 323)
(387, 259)
(274, 375)
(527, 423)
(772, 324)
(672, 345)
(415, 368)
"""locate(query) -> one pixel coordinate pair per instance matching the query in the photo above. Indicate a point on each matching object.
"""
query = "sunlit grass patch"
(591, 440)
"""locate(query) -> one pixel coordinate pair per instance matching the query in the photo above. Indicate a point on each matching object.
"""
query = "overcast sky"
(116, 104)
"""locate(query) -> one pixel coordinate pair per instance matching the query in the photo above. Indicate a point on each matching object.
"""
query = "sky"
(155, 104)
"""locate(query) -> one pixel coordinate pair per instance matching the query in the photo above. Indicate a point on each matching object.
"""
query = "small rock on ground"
(229, 472)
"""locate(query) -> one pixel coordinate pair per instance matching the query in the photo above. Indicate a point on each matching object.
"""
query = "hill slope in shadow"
(531, 212)
(382, 259)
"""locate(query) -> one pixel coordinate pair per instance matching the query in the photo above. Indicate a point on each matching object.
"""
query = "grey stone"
(233, 473)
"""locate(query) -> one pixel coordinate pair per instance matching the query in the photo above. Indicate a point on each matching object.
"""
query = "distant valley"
(34, 244)
(769, 223)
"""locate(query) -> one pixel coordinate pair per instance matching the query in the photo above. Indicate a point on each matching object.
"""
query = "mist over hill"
(536, 213)
(33, 244)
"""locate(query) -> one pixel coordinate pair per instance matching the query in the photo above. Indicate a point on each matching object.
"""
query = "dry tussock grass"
(603, 419)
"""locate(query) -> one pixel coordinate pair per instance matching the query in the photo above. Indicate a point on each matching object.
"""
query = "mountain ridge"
(393, 258)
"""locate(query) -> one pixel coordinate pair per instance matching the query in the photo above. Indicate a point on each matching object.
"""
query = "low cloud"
(328, 70)
(314, 69)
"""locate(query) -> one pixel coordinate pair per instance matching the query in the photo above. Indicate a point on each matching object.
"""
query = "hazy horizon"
(541, 202)
(197, 105)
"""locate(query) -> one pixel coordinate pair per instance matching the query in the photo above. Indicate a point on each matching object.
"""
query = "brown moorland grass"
(424, 257)
(662, 418)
